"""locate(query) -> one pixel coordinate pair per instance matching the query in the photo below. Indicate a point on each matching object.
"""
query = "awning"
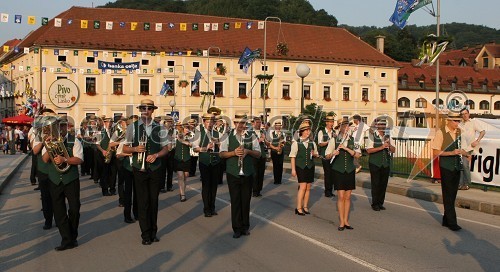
(18, 120)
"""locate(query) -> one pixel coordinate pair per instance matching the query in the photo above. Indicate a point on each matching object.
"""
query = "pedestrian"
(447, 145)
(147, 141)
(302, 152)
(469, 127)
(182, 157)
(342, 150)
(380, 149)
(238, 148)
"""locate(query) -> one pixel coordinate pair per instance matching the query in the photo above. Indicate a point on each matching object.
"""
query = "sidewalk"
(473, 199)
(9, 164)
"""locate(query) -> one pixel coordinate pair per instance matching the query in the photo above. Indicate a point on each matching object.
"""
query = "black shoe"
(112, 192)
(36, 189)
(299, 213)
(208, 214)
(183, 198)
(382, 208)
(214, 213)
(349, 227)
(245, 232)
(306, 211)
(454, 227)
(63, 248)
(156, 240)
(170, 189)
(163, 191)
(376, 208)
(129, 220)
(341, 228)
(120, 205)
(105, 193)
(328, 194)
(236, 235)
(47, 226)
(146, 242)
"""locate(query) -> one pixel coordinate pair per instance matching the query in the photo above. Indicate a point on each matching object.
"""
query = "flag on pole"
(403, 10)
(196, 80)
(165, 88)
(247, 57)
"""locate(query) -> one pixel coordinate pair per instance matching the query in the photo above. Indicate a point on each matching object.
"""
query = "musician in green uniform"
(65, 183)
(380, 149)
(324, 136)
(260, 162)
(343, 151)
(238, 148)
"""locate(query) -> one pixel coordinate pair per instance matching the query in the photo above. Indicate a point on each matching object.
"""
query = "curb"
(13, 169)
(461, 202)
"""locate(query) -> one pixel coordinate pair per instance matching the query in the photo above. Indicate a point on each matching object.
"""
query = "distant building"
(348, 76)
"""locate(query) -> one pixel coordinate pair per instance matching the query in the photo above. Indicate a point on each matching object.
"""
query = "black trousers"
(105, 176)
(194, 163)
(147, 187)
(327, 170)
(129, 195)
(240, 189)
(87, 166)
(120, 175)
(170, 168)
(34, 162)
(259, 165)
(66, 220)
(209, 180)
(277, 166)
(222, 169)
(44, 184)
(379, 179)
(98, 162)
(449, 189)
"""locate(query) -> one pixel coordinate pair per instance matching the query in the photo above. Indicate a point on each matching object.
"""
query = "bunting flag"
(215, 26)
(57, 22)
(31, 20)
(6, 48)
(133, 25)
(45, 21)
(84, 24)
(159, 27)
(195, 26)
(247, 57)
(261, 25)
(109, 25)
(26, 50)
(97, 24)
(237, 25)
(183, 26)
(196, 80)
(18, 19)
(206, 26)
(226, 26)
(249, 25)
(403, 10)
(70, 21)
(147, 26)
(4, 18)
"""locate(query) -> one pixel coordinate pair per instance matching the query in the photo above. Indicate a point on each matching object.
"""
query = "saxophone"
(111, 150)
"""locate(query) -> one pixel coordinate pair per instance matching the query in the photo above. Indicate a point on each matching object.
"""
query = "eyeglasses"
(146, 108)
(456, 121)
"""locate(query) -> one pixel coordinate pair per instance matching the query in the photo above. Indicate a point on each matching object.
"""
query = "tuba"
(281, 144)
(48, 126)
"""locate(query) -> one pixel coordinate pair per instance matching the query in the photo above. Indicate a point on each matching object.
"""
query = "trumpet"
(141, 157)
(240, 158)
(281, 144)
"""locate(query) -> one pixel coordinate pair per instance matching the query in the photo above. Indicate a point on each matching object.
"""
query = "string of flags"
(146, 26)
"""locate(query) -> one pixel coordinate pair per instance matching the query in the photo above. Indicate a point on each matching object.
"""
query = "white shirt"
(225, 143)
(295, 147)
(19, 133)
(469, 129)
(320, 135)
(129, 136)
(359, 132)
(331, 145)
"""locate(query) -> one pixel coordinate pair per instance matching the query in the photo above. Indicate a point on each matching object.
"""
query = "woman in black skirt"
(182, 157)
(343, 170)
(302, 152)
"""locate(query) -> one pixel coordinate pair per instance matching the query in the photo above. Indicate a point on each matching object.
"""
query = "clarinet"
(459, 146)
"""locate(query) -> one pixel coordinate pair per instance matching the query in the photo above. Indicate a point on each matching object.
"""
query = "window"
(469, 103)
(345, 94)
(404, 83)
(383, 95)
(195, 89)
(421, 103)
(420, 122)
(327, 71)
(286, 69)
(484, 105)
(91, 59)
(144, 88)
(262, 89)
(242, 90)
(453, 103)
(61, 58)
(364, 119)
(286, 91)
(117, 85)
(485, 87)
(364, 94)
(90, 85)
(440, 102)
(404, 102)
(145, 62)
(307, 92)
(170, 63)
(366, 74)
(118, 60)
(196, 64)
(346, 72)
(486, 62)
(383, 75)
(496, 106)
(469, 86)
(421, 83)
(61, 77)
(264, 68)
(326, 93)
(219, 89)
(171, 84)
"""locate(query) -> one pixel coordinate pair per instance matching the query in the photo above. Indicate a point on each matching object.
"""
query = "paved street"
(406, 237)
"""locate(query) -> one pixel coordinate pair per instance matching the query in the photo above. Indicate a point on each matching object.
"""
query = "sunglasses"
(456, 121)
(146, 108)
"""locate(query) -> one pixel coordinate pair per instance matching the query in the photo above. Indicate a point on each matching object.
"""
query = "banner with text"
(485, 163)
(118, 66)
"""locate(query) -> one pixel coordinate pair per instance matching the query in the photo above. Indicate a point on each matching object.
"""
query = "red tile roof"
(305, 42)
(455, 57)
(11, 44)
(493, 49)
(448, 74)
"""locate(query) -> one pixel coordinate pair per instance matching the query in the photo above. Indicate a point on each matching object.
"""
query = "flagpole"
(251, 83)
(438, 19)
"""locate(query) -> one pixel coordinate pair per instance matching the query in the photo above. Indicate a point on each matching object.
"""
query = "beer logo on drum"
(63, 93)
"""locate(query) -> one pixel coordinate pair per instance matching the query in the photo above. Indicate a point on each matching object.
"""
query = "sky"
(350, 12)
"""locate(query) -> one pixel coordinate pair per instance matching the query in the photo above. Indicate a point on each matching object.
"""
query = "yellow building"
(347, 75)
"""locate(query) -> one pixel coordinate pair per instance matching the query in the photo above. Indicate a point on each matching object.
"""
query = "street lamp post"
(208, 70)
(172, 104)
(302, 71)
(265, 67)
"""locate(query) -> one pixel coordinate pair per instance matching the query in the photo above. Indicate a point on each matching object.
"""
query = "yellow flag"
(31, 20)
(84, 23)
(183, 26)
(5, 48)
(124, 54)
(133, 26)
(189, 52)
(37, 68)
(45, 51)
(237, 25)
(162, 54)
(85, 53)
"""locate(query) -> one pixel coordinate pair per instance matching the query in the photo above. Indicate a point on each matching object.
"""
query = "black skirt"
(344, 181)
(182, 166)
(305, 175)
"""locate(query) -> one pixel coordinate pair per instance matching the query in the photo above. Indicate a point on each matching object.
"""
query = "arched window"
(496, 106)
(469, 103)
(404, 102)
(440, 102)
(421, 103)
(484, 105)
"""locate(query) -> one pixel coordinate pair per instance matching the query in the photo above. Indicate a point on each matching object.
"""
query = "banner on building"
(118, 66)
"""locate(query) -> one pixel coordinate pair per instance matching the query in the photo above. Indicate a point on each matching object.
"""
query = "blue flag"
(196, 80)
(247, 57)
(165, 88)
(399, 16)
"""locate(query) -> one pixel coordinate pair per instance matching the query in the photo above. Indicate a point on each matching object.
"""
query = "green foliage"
(315, 113)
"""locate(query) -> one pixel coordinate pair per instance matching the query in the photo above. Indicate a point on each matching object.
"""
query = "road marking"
(309, 239)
